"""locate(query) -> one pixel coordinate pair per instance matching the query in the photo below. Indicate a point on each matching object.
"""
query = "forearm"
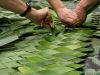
(17, 6)
(87, 4)
(56, 4)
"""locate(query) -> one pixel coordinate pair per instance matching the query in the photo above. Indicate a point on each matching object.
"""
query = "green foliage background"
(28, 49)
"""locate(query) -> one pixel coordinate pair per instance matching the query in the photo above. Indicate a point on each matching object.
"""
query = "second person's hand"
(67, 16)
(81, 13)
(71, 18)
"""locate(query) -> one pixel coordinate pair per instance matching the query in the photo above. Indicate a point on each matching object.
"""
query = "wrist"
(60, 9)
(81, 8)
(86, 4)
(28, 9)
(32, 14)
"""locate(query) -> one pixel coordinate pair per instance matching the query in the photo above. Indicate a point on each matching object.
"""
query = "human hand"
(67, 16)
(81, 13)
(71, 18)
(39, 16)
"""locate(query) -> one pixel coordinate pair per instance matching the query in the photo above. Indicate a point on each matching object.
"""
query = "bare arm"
(19, 7)
(56, 4)
(84, 7)
(87, 4)
(73, 17)
(66, 15)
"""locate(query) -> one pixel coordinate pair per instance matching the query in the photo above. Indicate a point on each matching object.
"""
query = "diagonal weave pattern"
(26, 49)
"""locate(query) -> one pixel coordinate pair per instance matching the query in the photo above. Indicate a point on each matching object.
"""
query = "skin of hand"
(81, 13)
(82, 7)
(68, 16)
(72, 18)
(19, 6)
(39, 15)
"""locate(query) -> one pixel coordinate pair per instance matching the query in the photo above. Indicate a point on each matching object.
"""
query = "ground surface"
(27, 49)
